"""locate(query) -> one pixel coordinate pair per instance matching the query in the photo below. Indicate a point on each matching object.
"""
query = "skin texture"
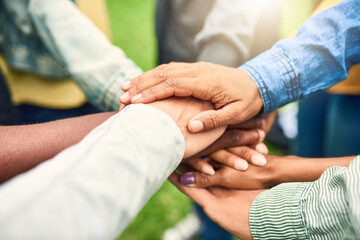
(24, 147)
(222, 205)
(181, 110)
(232, 91)
(279, 169)
(247, 137)
(230, 207)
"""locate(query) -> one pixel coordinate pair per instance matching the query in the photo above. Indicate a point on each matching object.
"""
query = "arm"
(325, 209)
(98, 67)
(326, 46)
(277, 170)
(96, 187)
(24, 147)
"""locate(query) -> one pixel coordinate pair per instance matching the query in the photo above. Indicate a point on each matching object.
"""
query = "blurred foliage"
(133, 29)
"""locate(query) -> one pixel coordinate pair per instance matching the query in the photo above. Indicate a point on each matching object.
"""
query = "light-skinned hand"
(181, 110)
(233, 92)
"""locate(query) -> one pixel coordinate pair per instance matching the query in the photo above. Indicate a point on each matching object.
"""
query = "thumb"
(233, 113)
(211, 119)
(200, 180)
(207, 120)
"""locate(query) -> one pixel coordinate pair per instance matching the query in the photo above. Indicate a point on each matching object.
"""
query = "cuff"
(276, 78)
(276, 213)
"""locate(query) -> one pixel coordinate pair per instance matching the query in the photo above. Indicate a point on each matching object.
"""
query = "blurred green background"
(133, 29)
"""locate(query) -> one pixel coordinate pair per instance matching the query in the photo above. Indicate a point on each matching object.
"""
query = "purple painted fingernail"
(187, 179)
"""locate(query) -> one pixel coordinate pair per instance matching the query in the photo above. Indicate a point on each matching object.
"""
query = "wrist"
(255, 95)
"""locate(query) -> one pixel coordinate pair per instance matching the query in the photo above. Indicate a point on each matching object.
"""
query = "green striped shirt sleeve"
(328, 208)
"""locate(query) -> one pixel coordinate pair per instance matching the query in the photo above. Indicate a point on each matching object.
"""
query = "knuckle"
(214, 120)
(237, 137)
(161, 74)
(162, 66)
(137, 87)
(202, 180)
(172, 83)
(151, 92)
(245, 153)
(226, 158)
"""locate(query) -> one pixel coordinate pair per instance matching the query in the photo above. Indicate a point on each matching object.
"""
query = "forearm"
(325, 209)
(298, 169)
(95, 188)
(320, 55)
(24, 147)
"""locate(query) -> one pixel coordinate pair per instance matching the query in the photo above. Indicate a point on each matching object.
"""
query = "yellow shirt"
(46, 92)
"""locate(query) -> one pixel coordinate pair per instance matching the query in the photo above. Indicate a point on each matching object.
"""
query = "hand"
(248, 135)
(245, 154)
(228, 208)
(234, 93)
(264, 123)
(236, 158)
(181, 110)
(279, 169)
(255, 177)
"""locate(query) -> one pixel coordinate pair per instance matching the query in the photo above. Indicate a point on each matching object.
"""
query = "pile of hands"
(225, 165)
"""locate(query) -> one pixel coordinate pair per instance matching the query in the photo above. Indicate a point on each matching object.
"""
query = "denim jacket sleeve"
(327, 45)
(98, 67)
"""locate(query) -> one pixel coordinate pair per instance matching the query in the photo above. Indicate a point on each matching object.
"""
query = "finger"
(152, 78)
(200, 195)
(180, 87)
(122, 106)
(183, 168)
(233, 138)
(249, 154)
(230, 159)
(197, 179)
(201, 165)
(261, 148)
(230, 114)
(253, 123)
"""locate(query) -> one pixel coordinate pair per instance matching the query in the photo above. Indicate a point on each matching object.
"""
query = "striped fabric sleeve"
(328, 208)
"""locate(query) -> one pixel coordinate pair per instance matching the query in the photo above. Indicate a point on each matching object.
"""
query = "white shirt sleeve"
(229, 34)
(93, 189)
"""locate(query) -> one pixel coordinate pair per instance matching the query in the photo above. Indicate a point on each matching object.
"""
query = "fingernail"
(126, 85)
(208, 170)
(124, 97)
(136, 97)
(241, 165)
(196, 126)
(261, 134)
(187, 179)
(262, 148)
(259, 160)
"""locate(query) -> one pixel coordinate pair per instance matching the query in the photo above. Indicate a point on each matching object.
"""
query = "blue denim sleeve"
(326, 46)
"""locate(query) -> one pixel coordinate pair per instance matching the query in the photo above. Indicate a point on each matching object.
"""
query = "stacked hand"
(233, 92)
